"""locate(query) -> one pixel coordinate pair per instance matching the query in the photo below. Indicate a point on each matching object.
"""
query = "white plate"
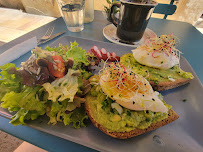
(109, 33)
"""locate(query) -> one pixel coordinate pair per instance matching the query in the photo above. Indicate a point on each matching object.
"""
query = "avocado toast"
(158, 61)
(122, 104)
(160, 79)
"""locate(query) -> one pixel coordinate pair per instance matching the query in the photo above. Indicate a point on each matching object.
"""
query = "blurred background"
(187, 10)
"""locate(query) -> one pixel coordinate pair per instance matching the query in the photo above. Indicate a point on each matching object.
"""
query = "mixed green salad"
(52, 82)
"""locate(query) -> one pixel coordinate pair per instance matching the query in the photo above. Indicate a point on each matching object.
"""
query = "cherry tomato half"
(57, 68)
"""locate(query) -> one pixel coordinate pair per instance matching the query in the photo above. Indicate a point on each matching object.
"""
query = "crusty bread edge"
(161, 86)
(172, 116)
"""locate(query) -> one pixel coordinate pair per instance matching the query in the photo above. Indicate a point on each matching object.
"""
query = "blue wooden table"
(191, 44)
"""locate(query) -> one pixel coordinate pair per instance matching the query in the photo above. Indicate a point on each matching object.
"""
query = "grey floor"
(8, 143)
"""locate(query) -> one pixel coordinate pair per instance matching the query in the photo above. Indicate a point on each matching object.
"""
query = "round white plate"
(109, 33)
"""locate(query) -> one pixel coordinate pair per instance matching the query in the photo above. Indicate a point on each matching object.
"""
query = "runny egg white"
(147, 56)
(158, 53)
(130, 90)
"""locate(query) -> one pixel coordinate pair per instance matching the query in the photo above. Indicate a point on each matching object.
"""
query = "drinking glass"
(72, 12)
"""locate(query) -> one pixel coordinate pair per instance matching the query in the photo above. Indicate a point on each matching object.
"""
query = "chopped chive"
(104, 104)
(128, 113)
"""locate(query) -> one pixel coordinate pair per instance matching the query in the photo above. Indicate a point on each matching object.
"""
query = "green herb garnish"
(104, 104)
(128, 113)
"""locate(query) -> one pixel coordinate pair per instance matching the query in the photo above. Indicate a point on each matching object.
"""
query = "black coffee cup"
(133, 19)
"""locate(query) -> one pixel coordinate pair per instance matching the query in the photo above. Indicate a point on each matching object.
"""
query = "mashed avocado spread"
(108, 117)
(153, 74)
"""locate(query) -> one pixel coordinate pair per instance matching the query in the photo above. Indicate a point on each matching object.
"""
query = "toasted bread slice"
(161, 86)
(172, 116)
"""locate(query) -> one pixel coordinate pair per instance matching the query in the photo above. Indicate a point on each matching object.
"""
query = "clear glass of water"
(73, 14)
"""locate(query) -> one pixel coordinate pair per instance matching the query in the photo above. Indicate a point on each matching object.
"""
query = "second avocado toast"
(159, 62)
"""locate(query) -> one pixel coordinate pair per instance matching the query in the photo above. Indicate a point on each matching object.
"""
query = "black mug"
(133, 19)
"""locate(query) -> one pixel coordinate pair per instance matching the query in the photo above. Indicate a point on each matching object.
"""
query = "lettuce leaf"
(61, 50)
(22, 115)
(27, 103)
(73, 51)
(41, 53)
(78, 54)
(10, 80)
(54, 109)
(63, 88)
(77, 117)
(57, 113)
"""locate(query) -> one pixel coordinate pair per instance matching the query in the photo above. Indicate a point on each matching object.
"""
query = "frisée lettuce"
(63, 88)
(64, 106)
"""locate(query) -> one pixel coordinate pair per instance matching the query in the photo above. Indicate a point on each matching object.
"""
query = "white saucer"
(109, 33)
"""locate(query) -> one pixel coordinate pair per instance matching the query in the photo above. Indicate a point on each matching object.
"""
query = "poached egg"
(159, 52)
(129, 90)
